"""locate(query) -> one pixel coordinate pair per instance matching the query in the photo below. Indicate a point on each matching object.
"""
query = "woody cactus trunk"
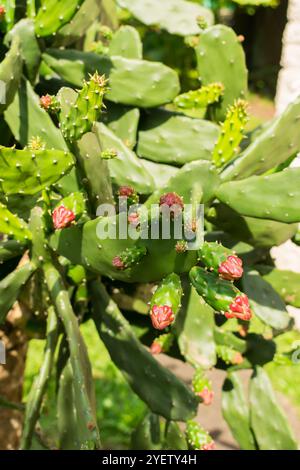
(87, 122)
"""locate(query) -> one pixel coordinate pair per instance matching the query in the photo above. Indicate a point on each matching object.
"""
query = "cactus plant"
(72, 152)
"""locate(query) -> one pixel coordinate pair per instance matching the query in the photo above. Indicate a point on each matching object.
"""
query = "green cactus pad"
(160, 172)
(79, 24)
(131, 81)
(10, 73)
(227, 338)
(268, 422)
(274, 145)
(11, 286)
(157, 386)
(148, 433)
(126, 169)
(195, 174)
(174, 438)
(175, 16)
(265, 301)
(12, 226)
(286, 283)
(96, 179)
(256, 232)
(154, 266)
(163, 137)
(81, 368)
(259, 196)
(26, 119)
(10, 248)
(28, 172)
(68, 432)
(126, 43)
(38, 390)
(29, 46)
(194, 326)
(221, 58)
(10, 8)
(236, 412)
(123, 121)
(53, 14)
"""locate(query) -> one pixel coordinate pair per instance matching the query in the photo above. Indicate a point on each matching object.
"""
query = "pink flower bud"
(243, 330)
(133, 219)
(206, 395)
(155, 348)
(2, 12)
(181, 246)
(240, 308)
(231, 269)
(161, 316)
(118, 263)
(46, 102)
(62, 217)
(126, 191)
(238, 359)
(173, 201)
(209, 446)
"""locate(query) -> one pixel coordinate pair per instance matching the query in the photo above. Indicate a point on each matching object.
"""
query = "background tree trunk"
(11, 377)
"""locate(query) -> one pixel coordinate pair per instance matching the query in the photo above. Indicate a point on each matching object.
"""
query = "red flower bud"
(46, 102)
(243, 330)
(2, 12)
(62, 217)
(155, 348)
(238, 359)
(240, 308)
(181, 246)
(231, 269)
(172, 200)
(209, 446)
(118, 263)
(126, 191)
(161, 316)
(133, 219)
(206, 395)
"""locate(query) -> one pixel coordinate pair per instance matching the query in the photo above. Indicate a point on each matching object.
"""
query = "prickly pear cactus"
(114, 181)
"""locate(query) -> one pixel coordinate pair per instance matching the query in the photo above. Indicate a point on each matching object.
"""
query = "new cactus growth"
(202, 387)
(49, 103)
(219, 259)
(199, 99)
(86, 109)
(165, 302)
(232, 133)
(198, 438)
(162, 343)
(129, 257)
(220, 294)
